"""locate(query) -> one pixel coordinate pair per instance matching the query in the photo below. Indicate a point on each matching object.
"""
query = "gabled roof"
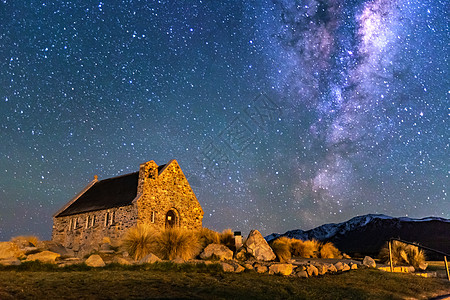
(104, 194)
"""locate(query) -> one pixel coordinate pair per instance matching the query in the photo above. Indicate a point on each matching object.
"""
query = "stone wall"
(170, 191)
(84, 232)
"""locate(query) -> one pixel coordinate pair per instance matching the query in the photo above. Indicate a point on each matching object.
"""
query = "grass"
(285, 247)
(282, 248)
(168, 280)
(138, 241)
(26, 240)
(174, 243)
(404, 254)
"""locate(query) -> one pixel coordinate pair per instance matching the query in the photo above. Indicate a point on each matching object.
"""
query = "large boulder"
(55, 247)
(121, 261)
(219, 251)
(95, 260)
(226, 267)
(283, 269)
(44, 256)
(10, 250)
(257, 246)
(312, 270)
(10, 262)
(149, 259)
(369, 262)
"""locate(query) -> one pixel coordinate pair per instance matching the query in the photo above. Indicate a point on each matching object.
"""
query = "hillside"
(367, 234)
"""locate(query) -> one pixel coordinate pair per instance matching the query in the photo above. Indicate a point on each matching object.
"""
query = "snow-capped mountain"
(367, 234)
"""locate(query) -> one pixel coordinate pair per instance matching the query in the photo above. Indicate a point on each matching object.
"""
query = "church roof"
(107, 193)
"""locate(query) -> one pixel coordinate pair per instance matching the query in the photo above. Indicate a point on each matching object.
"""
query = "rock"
(423, 266)
(121, 261)
(95, 260)
(345, 267)
(257, 246)
(239, 268)
(105, 247)
(303, 274)
(215, 250)
(241, 254)
(353, 266)
(10, 250)
(283, 269)
(44, 256)
(339, 266)
(10, 262)
(346, 256)
(55, 247)
(178, 260)
(331, 268)
(260, 268)
(227, 267)
(312, 270)
(149, 259)
(322, 269)
(248, 266)
(369, 262)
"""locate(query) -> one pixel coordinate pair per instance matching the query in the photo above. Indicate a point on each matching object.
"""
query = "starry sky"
(282, 114)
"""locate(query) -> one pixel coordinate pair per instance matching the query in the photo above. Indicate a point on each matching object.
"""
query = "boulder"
(105, 247)
(302, 274)
(353, 266)
(178, 260)
(55, 247)
(44, 256)
(339, 266)
(121, 261)
(95, 260)
(312, 270)
(227, 267)
(283, 269)
(369, 262)
(10, 250)
(258, 247)
(322, 269)
(345, 267)
(248, 266)
(331, 268)
(241, 254)
(260, 268)
(149, 259)
(219, 251)
(10, 262)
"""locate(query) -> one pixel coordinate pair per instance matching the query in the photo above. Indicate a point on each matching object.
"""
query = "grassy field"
(166, 280)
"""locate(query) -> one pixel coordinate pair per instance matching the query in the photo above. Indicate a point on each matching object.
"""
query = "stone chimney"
(237, 240)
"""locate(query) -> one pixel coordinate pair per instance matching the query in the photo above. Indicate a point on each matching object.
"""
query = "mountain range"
(366, 235)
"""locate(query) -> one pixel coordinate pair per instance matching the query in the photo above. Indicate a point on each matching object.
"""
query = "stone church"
(159, 196)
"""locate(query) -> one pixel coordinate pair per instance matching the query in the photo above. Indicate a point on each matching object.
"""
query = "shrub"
(404, 254)
(174, 243)
(207, 236)
(328, 250)
(138, 241)
(297, 247)
(282, 248)
(227, 239)
(25, 240)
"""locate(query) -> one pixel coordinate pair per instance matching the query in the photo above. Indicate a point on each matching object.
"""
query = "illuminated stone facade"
(163, 198)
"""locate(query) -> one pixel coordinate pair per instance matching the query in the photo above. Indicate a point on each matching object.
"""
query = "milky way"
(282, 114)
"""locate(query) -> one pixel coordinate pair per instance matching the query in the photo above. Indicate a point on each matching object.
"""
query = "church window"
(87, 222)
(93, 221)
(152, 219)
(111, 218)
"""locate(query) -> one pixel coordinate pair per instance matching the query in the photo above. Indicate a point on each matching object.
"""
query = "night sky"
(282, 114)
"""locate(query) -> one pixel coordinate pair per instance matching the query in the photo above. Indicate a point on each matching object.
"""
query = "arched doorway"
(171, 219)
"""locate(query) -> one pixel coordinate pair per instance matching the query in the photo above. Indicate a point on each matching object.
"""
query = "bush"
(207, 236)
(404, 254)
(174, 243)
(328, 250)
(139, 240)
(282, 248)
(227, 239)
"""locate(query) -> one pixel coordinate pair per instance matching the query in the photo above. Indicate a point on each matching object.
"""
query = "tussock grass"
(174, 243)
(404, 254)
(207, 236)
(139, 241)
(282, 248)
(227, 239)
(328, 250)
(285, 247)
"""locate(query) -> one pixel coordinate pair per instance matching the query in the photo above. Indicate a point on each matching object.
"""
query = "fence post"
(446, 267)
(390, 256)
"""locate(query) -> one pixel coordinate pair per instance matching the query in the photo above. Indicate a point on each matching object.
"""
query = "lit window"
(70, 224)
(153, 217)
(87, 222)
(93, 221)
(106, 219)
(111, 218)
